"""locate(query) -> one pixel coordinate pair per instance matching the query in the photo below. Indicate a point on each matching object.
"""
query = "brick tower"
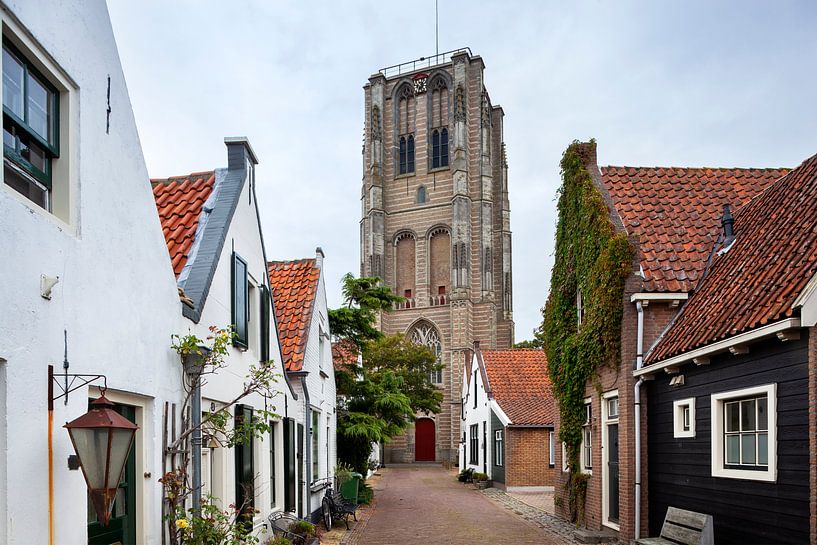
(436, 223)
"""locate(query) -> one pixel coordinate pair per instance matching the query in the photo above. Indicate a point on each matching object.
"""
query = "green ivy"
(593, 258)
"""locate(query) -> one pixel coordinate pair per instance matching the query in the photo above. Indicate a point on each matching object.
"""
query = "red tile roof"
(758, 279)
(676, 212)
(179, 200)
(294, 287)
(518, 380)
(344, 353)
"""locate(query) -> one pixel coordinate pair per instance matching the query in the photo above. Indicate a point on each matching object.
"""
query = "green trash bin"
(350, 488)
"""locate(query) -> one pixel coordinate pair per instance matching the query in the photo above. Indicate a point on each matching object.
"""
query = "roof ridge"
(656, 167)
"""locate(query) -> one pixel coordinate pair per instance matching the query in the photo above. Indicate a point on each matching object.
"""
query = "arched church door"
(424, 440)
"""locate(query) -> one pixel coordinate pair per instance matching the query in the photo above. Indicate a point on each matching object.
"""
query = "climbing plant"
(591, 258)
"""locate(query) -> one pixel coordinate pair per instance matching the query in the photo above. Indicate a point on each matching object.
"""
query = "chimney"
(728, 226)
(239, 152)
(319, 257)
(587, 152)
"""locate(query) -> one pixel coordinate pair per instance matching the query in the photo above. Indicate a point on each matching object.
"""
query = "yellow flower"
(182, 524)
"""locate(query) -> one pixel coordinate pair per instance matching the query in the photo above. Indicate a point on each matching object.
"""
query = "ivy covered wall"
(594, 260)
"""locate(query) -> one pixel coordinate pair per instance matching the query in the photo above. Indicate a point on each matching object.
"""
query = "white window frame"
(678, 407)
(64, 192)
(607, 419)
(565, 465)
(717, 403)
(499, 448)
(552, 448)
(587, 426)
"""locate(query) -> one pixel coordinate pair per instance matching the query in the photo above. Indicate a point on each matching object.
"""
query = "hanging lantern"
(102, 439)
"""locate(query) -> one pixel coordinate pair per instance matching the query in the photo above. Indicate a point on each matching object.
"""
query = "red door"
(424, 441)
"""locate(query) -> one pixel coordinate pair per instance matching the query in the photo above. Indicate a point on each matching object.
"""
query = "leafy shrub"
(466, 475)
(365, 494)
(479, 477)
(302, 528)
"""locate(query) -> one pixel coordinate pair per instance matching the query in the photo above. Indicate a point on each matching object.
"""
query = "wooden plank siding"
(680, 475)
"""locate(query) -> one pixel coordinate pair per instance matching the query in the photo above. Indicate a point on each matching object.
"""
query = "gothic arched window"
(426, 334)
(410, 154)
(439, 148)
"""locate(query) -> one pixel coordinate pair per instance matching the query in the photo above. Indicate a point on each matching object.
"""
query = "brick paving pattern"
(424, 505)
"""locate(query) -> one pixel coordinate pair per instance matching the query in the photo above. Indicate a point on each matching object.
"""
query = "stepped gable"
(294, 285)
(179, 201)
(675, 214)
(518, 381)
(758, 279)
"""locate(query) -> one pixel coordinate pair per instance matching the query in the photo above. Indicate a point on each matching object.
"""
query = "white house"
(509, 418)
(303, 326)
(84, 259)
(211, 224)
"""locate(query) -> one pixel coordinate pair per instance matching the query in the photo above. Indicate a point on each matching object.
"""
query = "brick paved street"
(424, 505)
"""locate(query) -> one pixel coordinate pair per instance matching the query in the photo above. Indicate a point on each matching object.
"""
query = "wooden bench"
(682, 527)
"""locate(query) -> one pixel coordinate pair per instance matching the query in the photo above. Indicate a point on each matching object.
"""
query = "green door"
(122, 528)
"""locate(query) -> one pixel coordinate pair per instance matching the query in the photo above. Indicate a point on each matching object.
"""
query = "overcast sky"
(656, 83)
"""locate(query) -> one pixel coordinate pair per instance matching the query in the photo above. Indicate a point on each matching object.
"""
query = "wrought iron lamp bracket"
(70, 382)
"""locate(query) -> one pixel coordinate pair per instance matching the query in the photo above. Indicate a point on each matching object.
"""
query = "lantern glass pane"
(120, 446)
(92, 447)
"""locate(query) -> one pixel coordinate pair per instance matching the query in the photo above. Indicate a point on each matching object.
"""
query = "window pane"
(685, 408)
(37, 157)
(26, 186)
(747, 415)
(8, 138)
(762, 414)
(12, 84)
(748, 444)
(39, 108)
(762, 449)
(732, 449)
(732, 416)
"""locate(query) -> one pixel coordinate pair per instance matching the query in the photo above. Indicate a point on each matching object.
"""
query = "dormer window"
(30, 128)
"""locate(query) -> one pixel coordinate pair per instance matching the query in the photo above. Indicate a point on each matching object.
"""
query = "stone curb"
(546, 521)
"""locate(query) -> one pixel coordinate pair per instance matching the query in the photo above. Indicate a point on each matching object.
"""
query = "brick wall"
(526, 458)
(475, 212)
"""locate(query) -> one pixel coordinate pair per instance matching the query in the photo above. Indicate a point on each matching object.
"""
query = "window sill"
(406, 175)
(439, 169)
(745, 474)
(317, 486)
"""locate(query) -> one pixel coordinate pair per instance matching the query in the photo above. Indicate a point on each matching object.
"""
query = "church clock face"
(420, 85)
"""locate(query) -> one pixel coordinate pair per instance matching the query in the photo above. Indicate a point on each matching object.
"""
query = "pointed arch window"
(439, 148)
(426, 334)
(410, 154)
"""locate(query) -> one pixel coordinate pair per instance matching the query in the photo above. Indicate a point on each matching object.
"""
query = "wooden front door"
(425, 440)
(612, 472)
(122, 528)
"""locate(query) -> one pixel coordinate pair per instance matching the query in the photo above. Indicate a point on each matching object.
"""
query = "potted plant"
(481, 481)
(465, 475)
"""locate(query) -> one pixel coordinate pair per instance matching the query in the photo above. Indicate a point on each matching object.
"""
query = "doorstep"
(603, 537)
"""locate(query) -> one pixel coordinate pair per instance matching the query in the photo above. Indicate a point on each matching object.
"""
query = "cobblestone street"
(425, 505)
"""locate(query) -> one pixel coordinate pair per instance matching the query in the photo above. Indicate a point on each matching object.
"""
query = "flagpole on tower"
(437, 24)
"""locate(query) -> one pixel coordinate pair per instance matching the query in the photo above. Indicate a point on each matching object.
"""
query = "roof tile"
(519, 382)
(659, 205)
(294, 287)
(761, 275)
(179, 200)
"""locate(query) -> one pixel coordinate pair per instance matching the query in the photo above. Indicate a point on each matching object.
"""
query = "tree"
(379, 398)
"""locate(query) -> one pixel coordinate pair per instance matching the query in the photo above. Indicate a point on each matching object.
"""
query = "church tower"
(436, 224)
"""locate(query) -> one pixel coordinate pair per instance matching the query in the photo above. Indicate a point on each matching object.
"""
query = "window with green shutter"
(264, 324)
(240, 306)
(244, 470)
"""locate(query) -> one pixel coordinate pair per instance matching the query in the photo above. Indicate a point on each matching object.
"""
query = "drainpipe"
(311, 435)
(639, 361)
(194, 369)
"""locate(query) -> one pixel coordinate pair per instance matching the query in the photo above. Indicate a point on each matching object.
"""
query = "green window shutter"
(289, 464)
(265, 315)
(244, 471)
(273, 484)
(240, 300)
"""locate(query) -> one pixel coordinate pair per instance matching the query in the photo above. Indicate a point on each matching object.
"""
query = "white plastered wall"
(116, 296)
